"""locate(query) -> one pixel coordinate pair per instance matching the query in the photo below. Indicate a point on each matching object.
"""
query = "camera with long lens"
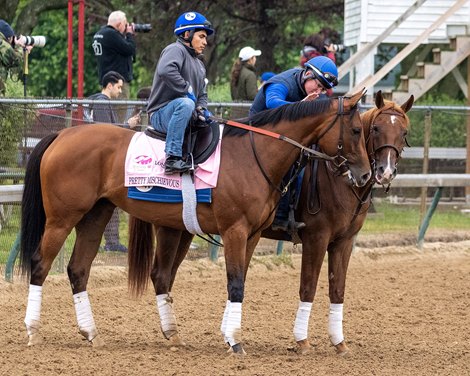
(34, 40)
(142, 28)
(335, 47)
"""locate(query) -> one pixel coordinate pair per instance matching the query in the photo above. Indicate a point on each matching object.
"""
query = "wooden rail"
(13, 193)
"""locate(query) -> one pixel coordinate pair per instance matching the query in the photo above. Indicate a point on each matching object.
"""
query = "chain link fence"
(25, 121)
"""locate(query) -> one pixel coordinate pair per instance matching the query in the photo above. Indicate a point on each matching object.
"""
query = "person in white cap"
(243, 81)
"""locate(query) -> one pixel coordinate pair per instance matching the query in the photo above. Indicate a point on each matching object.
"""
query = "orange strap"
(251, 128)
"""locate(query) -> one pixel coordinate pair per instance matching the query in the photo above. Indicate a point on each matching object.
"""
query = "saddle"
(200, 142)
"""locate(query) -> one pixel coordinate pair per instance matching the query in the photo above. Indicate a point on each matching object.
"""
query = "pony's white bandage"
(33, 310)
(86, 323)
(165, 311)
(223, 326)
(335, 324)
(234, 324)
(301, 321)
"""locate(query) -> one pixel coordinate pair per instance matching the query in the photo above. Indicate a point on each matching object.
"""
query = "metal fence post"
(427, 142)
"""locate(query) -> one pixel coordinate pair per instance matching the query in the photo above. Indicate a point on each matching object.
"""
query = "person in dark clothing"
(293, 85)
(114, 47)
(179, 87)
(11, 52)
(104, 113)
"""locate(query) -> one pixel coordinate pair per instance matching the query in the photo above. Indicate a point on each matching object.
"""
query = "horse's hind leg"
(52, 240)
(89, 232)
(339, 254)
(172, 246)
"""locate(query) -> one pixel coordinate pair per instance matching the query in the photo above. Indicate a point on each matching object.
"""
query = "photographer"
(320, 45)
(11, 52)
(114, 48)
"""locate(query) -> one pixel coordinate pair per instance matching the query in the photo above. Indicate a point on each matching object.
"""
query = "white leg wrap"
(335, 324)
(223, 326)
(166, 313)
(234, 324)
(33, 310)
(301, 321)
(86, 323)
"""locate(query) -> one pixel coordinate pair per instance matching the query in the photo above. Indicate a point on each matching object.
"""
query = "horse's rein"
(304, 149)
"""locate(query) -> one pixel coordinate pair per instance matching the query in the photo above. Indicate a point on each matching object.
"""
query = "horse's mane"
(288, 112)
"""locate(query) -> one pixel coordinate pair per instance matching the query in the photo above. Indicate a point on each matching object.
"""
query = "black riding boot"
(174, 164)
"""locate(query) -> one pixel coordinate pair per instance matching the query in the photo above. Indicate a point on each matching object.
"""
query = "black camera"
(335, 47)
(142, 28)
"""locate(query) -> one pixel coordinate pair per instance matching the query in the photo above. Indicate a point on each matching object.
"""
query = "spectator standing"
(243, 81)
(112, 83)
(114, 48)
(11, 52)
(179, 87)
(297, 84)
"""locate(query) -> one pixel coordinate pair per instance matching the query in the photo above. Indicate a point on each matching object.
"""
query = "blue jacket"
(286, 87)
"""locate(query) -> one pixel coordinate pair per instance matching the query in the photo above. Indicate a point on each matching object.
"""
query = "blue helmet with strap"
(323, 69)
(192, 21)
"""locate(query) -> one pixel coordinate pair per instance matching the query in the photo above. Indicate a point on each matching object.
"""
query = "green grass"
(406, 218)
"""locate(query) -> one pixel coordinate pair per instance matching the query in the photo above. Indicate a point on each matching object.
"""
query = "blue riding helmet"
(324, 69)
(190, 21)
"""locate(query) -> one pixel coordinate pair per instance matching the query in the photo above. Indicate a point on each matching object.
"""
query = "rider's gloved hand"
(203, 114)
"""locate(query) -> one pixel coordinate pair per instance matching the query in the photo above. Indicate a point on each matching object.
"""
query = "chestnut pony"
(75, 179)
(333, 212)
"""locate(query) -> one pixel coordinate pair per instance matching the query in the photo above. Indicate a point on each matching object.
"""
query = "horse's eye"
(405, 133)
(357, 130)
(375, 128)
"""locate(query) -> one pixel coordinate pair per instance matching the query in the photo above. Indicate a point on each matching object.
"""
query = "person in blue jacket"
(318, 75)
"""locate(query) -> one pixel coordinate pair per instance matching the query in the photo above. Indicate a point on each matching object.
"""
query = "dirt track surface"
(406, 313)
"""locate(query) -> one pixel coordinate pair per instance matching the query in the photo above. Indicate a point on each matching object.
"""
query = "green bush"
(11, 125)
(448, 126)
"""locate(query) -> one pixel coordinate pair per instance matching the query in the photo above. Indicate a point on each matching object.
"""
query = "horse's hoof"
(303, 347)
(34, 339)
(342, 349)
(237, 350)
(97, 342)
(176, 341)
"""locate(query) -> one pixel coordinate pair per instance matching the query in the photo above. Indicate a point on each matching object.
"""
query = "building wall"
(364, 20)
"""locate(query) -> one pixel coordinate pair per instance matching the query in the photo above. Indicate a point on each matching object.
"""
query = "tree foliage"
(278, 30)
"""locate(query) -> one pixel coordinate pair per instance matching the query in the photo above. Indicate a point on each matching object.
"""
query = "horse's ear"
(379, 99)
(355, 98)
(408, 104)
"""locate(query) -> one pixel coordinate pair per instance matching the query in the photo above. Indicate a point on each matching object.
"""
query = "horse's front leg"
(163, 273)
(235, 248)
(313, 253)
(339, 254)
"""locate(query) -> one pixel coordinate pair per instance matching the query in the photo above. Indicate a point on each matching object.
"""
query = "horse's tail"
(33, 216)
(140, 254)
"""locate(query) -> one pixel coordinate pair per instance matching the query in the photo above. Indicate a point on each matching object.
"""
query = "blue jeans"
(173, 120)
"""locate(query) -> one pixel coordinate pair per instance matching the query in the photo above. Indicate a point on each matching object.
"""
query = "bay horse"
(331, 224)
(75, 179)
